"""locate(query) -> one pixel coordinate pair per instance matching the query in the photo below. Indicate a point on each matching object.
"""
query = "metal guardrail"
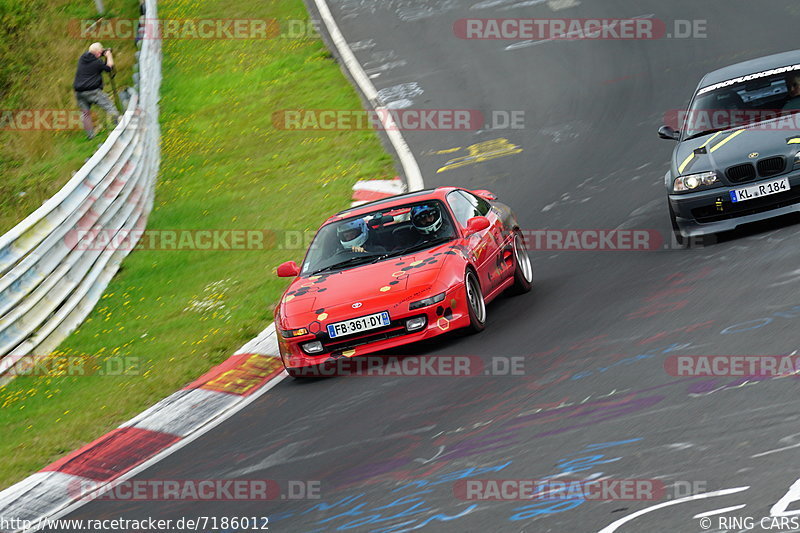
(49, 282)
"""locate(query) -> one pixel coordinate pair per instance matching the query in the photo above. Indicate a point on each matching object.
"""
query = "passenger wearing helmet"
(429, 223)
(427, 219)
(354, 236)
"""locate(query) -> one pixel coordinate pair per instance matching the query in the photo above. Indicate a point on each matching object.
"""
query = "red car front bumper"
(450, 314)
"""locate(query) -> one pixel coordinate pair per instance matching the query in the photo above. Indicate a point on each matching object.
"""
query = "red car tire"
(523, 268)
(475, 302)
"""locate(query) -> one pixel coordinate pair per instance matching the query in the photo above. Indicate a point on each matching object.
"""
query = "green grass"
(38, 56)
(224, 166)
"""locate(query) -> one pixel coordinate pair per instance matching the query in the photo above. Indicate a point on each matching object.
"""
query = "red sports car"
(396, 271)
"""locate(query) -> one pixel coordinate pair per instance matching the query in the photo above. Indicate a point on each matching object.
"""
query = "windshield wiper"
(381, 257)
(362, 259)
(374, 258)
(707, 132)
(423, 245)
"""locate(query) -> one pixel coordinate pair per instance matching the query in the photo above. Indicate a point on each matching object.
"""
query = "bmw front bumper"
(712, 211)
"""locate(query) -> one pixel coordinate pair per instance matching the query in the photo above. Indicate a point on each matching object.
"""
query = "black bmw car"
(738, 153)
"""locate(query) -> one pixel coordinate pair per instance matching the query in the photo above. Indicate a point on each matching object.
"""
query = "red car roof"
(393, 201)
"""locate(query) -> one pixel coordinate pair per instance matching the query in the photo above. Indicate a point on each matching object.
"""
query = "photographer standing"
(88, 85)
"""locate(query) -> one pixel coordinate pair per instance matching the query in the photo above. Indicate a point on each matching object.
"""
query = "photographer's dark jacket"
(89, 74)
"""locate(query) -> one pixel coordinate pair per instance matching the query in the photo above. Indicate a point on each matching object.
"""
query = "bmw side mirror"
(666, 132)
(476, 224)
(288, 269)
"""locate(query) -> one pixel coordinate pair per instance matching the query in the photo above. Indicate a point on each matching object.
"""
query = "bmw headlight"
(693, 182)
(797, 159)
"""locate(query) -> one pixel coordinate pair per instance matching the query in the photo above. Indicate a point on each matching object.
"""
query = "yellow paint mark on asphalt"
(483, 151)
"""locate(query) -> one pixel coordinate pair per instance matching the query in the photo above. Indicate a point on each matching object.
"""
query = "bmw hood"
(723, 150)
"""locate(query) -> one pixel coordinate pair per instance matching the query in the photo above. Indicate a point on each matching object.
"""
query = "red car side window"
(462, 208)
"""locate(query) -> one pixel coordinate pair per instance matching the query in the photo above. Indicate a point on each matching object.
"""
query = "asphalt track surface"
(595, 399)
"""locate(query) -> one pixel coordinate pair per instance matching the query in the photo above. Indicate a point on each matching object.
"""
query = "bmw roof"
(751, 66)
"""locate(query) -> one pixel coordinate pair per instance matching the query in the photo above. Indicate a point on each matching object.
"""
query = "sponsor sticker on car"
(357, 325)
(757, 191)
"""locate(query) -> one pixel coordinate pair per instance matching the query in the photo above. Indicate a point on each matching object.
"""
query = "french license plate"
(757, 191)
(357, 325)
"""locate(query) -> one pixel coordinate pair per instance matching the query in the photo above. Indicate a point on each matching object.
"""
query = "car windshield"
(379, 235)
(729, 105)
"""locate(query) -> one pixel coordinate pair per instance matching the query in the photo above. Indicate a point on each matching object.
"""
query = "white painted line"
(410, 166)
(762, 454)
(622, 521)
(779, 509)
(790, 438)
(71, 507)
(720, 511)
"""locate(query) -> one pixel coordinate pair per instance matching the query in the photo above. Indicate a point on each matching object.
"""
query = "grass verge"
(224, 166)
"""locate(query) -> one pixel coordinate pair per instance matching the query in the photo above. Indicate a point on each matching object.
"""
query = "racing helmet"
(426, 218)
(353, 233)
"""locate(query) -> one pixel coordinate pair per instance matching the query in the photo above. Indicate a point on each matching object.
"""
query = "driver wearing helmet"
(427, 219)
(354, 236)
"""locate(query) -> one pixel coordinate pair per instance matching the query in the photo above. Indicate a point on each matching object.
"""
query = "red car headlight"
(288, 334)
(427, 301)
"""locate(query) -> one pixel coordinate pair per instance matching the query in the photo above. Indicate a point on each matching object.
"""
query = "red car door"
(484, 246)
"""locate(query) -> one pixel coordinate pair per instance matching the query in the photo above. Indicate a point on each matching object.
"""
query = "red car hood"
(378, 287)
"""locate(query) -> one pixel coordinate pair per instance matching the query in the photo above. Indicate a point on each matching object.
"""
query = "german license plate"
(762, 189)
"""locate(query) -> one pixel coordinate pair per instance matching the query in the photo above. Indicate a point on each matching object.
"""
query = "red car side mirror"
(476, 224)
(288, 269)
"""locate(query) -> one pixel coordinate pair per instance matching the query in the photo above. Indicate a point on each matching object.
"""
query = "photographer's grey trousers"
(97, 97)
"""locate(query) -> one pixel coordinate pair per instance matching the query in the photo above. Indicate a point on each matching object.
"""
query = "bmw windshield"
(729, 105)
(379, 235)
